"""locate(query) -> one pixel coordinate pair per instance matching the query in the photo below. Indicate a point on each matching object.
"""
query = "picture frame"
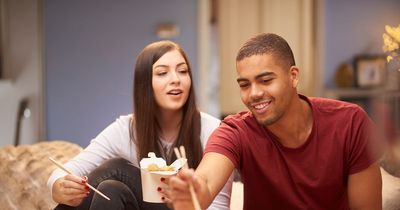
(370, 71)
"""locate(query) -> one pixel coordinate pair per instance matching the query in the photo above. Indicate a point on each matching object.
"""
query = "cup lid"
(152, 159)
(179, 163)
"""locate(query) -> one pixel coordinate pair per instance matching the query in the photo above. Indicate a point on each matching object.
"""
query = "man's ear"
(294, 72)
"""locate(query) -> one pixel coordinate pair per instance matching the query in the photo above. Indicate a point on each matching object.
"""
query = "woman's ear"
(294, 75)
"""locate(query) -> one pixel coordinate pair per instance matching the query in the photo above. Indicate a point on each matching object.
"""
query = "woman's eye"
(183, 71)
(161, 73)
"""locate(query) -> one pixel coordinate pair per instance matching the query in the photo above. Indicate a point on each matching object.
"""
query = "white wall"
(21, 51)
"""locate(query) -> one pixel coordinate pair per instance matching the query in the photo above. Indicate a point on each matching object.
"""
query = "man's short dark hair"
(267, 43)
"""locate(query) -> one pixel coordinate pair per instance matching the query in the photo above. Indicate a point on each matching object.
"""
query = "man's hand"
(205, 184)
(179, 194)
(70, 190)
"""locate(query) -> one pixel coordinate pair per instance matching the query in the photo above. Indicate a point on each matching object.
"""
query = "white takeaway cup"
(151, 180)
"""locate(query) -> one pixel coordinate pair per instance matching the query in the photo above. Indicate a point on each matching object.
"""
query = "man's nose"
(256, 92)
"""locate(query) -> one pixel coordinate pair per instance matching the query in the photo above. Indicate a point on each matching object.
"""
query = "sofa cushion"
(24, 171)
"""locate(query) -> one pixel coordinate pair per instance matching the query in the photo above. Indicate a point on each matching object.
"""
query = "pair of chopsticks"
(69, 172)
(182, 154)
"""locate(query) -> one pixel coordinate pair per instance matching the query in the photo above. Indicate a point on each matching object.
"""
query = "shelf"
(380, 104)
(361, 93)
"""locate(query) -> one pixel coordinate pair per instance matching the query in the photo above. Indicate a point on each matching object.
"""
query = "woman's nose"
(175, 77)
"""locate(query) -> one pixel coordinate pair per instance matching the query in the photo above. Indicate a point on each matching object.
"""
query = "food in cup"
(155, 167)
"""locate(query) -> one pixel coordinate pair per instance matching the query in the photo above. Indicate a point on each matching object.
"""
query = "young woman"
(165, 116)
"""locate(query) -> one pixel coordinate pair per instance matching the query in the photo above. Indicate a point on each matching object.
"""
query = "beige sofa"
(24, 171)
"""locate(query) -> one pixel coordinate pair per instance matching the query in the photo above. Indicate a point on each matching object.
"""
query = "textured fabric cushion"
(390, 191)
(24, 171)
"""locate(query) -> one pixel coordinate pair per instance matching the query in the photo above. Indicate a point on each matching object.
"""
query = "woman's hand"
(70, 190)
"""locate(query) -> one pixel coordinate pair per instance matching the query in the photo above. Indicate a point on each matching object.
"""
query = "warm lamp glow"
(391, 42)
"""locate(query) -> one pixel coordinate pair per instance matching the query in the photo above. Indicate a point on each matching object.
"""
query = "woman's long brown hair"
(146, 123)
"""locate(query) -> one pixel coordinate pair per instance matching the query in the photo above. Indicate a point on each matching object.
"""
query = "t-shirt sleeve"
(364, 146)
(225, 140)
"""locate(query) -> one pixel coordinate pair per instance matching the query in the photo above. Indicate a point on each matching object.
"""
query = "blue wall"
(91, 46)
(90, 51)
(355, 27)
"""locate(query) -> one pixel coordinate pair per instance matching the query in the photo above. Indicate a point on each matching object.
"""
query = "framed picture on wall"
(370, 71)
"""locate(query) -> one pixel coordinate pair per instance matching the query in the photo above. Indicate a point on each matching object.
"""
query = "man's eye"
(266, 81)
(243, 85)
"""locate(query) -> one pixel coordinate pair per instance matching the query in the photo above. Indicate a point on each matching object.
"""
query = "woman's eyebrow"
(160, 65)
(163, 65)
(180, 64)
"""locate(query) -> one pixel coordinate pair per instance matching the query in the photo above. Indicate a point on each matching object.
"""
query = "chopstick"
(69, 172)
(182, 154)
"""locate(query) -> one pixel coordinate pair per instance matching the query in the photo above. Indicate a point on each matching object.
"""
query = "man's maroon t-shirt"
(312, 176)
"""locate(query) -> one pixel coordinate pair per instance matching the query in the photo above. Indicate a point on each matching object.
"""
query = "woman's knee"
(116, 165)
(113, 187)
(119, 193)
(116, 169)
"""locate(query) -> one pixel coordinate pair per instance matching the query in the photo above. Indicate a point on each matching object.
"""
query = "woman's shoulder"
(207, 119)
(208, 125)
(119, 126)
(125, 118)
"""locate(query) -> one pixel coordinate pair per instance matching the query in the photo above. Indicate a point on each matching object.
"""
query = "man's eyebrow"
(268, 73)
(241, 79)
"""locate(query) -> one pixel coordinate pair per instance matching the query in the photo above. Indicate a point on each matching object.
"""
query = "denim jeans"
(120, 181)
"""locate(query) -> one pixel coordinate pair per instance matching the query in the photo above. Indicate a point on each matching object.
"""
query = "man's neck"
(295, 127)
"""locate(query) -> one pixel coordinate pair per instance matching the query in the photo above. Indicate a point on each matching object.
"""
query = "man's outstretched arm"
(208, 179)
(365, 189)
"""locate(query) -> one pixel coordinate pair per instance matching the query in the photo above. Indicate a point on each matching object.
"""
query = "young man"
(292, 151)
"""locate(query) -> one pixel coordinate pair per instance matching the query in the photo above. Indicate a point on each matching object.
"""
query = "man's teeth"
(261, 105)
